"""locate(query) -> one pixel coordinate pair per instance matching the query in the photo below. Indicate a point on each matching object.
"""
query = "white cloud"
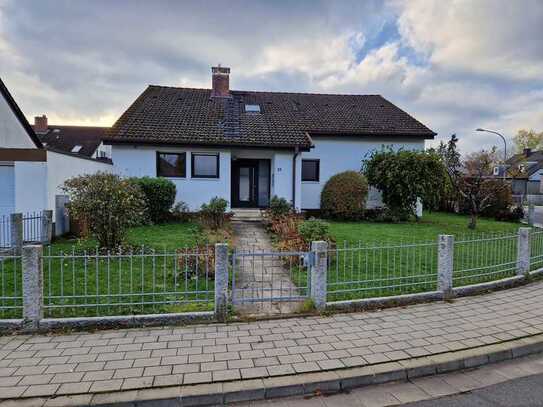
(485, 36)
(455, 66)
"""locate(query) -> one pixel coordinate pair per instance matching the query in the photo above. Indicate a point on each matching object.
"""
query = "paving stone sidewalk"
(46, 365)
(262, 278)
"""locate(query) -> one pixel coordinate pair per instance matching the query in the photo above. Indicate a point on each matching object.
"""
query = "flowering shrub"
(107, 205)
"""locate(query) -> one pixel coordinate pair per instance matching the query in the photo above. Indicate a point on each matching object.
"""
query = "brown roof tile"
(191, 116)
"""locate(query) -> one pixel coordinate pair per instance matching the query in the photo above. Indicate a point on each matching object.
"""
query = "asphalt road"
(523, 392)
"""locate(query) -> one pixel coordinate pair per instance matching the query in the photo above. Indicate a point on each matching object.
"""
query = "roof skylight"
(252, 108)
(76, 149)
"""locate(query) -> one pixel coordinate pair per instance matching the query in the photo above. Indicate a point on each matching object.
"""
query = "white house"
(30, 175)
(248, 146)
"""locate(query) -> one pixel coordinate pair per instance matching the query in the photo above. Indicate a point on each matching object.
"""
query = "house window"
(171, 165)
(205, 165)
(252, 108)
(496, 171)
(310, 170)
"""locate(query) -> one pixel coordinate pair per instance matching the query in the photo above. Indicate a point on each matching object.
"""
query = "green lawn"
(381, 259)
(428, 228)
(169, 236)
(158, 271)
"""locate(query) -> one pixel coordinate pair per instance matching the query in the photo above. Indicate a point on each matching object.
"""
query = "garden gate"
(260, 277)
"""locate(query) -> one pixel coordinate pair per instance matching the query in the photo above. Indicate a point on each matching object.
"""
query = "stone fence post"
(445, 262)
(32, 286)
(221, 281)
(318, 271)
(523, 252)
(16, 232)
(46, 226)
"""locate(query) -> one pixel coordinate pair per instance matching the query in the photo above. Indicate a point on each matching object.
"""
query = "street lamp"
(504, 149)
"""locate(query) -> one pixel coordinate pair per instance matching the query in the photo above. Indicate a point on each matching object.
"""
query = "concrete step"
(247, 215)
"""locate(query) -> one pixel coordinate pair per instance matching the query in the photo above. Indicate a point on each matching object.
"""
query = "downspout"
(296, 152)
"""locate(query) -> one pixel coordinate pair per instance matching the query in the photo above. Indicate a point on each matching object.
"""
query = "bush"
(507, 215)
(501, 199)
(213, 213)
(159, 194)
(107, 205)
(181, 212)
(344, 196)
(314, 229)
(279, 207)
(405, 176)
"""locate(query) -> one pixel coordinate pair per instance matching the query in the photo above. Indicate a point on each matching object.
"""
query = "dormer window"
(252, 108)
(521, 168)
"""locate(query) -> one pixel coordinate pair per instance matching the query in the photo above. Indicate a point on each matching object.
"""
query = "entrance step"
(247, 214)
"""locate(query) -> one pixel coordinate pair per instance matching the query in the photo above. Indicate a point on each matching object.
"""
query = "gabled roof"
(169, 115)
(65, 138)
(19, 114)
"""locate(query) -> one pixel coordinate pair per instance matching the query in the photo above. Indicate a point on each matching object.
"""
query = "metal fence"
(484, 258)
(102, 283)
(11, 286)
(269, 277)
(376, 270)
(5, 231)
(32, 227)
(536, 249)
(130, 282)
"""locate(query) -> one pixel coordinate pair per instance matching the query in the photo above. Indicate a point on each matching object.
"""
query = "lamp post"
(504, 148)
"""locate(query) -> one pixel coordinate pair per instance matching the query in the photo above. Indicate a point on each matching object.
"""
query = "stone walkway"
(46, 365)
(260, 279)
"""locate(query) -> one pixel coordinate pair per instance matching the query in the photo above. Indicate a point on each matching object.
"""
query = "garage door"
(7, 190)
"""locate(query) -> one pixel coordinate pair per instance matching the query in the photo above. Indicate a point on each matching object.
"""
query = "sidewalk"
(127, 359)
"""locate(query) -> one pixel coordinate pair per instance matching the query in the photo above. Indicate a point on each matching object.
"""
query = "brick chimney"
(40, 124)
(220, 81)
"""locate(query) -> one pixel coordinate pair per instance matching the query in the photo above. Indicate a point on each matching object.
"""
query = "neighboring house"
(81, 140)
(247, 146)
(525, 171)
(31, 175)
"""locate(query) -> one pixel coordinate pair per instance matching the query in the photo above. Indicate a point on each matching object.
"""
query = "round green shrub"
(159, 194)
(344, 196)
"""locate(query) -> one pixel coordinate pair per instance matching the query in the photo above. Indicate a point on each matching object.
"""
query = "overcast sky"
(454, 65)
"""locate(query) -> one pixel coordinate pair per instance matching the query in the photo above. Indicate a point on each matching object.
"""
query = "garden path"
(260, 280)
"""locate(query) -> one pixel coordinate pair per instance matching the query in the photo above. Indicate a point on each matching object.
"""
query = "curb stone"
(300, 384)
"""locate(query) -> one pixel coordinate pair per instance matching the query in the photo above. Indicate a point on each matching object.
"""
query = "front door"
(245, 183)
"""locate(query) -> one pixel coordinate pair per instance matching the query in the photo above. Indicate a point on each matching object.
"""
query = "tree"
(107, 204)
(528, 139)
(404, 176)
(473, 178)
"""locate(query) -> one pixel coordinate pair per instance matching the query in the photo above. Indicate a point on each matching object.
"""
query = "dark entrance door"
(245, 183)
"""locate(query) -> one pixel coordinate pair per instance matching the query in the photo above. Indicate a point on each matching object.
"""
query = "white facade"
(60, 167)
(335, 154)
(338, 154)
(31, 177)
(12, 132)
(139, 161)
